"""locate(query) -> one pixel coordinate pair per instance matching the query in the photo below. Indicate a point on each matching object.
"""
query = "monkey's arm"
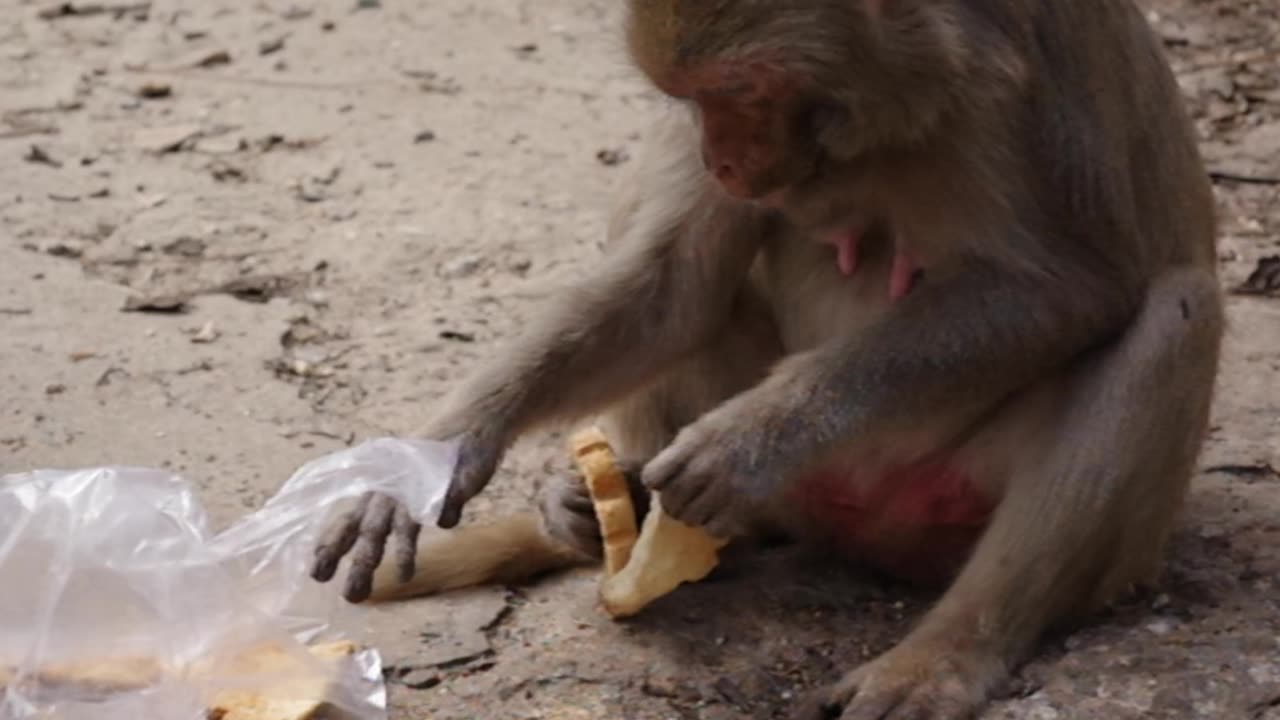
(680, 252)
(669, 286)
(939, 358)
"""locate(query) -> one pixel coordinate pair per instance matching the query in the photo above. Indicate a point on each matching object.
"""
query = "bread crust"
(639, 567)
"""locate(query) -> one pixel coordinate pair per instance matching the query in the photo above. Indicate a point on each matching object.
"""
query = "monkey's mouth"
(773, 199)
(778, 195)
(770, 195)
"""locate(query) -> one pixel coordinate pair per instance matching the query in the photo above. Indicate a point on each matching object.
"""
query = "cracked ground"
(236, 235)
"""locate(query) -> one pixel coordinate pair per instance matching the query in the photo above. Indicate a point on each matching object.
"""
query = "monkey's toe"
(818, 706)
(909, 683)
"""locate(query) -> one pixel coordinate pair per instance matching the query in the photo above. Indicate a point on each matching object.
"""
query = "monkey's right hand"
(364, 530)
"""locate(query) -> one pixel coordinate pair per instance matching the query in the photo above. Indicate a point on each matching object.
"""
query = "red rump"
(918, 521)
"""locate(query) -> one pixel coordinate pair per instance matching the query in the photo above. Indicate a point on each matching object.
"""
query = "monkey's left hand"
(709, 474)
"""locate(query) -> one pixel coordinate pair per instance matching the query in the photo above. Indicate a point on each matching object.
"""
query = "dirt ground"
(351, 202)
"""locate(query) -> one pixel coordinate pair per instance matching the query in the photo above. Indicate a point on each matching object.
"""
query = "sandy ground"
(358, 202)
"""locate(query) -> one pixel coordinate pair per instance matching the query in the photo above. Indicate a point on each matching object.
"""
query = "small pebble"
(155, 90)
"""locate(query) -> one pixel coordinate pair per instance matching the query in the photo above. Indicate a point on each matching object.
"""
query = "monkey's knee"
(1179, 329)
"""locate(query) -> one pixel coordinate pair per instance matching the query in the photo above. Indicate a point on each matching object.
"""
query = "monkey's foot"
(918, 680)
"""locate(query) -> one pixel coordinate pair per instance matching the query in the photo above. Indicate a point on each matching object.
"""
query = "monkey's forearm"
(639, 314)
(941, 357)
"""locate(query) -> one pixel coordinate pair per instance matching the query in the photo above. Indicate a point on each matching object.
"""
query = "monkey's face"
(759, 130)
(786, 90)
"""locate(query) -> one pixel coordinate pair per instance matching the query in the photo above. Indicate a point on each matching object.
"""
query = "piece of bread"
(103, 677)
(110, 676)
(301, 693)
(294, 688)
(609, 494)
(666, 553)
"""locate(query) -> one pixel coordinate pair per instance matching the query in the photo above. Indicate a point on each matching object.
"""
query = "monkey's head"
(783, 87)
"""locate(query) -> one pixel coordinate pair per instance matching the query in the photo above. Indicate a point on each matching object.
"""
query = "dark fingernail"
(449, 517)
(324, 568)
(359, 587)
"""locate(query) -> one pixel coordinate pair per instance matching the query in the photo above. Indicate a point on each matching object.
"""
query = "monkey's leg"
(1085, 521)
(520, 547)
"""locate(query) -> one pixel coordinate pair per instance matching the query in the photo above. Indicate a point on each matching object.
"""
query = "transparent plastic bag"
(118, 601)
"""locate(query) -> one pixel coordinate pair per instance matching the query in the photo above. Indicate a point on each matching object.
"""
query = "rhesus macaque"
(928, 281)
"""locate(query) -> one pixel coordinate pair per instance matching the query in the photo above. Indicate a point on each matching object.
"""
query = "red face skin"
(745, 109)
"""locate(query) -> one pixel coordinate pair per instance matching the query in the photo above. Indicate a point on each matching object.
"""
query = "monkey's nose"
(721, 169)
(727, 174)
(708, 162)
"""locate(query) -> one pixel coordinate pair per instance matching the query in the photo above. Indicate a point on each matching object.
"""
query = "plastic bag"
(117, 569)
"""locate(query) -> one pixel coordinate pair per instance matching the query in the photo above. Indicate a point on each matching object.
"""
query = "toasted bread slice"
(639, 568)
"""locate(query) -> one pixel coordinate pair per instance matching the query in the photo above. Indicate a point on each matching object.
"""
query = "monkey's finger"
(578, 501)
(862, 698)
(817, 706)
(707, 501)
(477, 459)
(661, 471)
(678, 493)
(404, 532)
(926, 706)
(725, 526)
(460, 492)
(367, 555)
(874, 707)
(337, 539)
(585, 531)
(582, 537)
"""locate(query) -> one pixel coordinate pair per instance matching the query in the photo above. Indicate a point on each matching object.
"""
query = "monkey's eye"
(733, 90)
(819, 116)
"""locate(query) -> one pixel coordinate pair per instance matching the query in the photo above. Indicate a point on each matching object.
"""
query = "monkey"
(929, 282)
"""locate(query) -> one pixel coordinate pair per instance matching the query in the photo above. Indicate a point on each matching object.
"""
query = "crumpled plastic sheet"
(120, 562)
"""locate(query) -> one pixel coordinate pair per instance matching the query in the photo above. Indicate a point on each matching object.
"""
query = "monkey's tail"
(508, 551)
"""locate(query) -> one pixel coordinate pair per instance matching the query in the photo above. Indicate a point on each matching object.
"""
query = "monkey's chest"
(918, 522)
(812, 300)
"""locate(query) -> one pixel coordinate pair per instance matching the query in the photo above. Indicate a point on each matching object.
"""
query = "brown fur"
(1033, 159)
